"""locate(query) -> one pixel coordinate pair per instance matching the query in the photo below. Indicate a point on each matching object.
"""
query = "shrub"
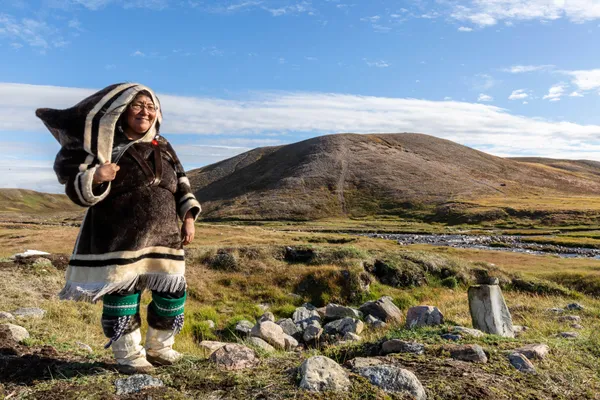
(450, 282)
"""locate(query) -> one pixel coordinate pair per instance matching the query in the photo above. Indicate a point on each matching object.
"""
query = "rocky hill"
(29, 201)
(375, 174)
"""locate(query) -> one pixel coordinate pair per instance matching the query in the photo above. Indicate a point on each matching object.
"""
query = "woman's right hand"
(105, 173)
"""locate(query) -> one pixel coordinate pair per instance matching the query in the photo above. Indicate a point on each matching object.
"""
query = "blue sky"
(509, 77)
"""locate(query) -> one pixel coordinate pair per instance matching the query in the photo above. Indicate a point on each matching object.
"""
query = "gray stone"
(312, 333)
(362, 362)
(208, 347)
(576, 326)
(351, 337)
(13, 332)
(569, 335)
(233, 357)
(335, 311)
(271, 333)
(467, 352)
(290, 342)
(260, 344)
(85, 347)
(268, 316)
(383, 309)
(489, 311)
(534, 351)
(288, 326)
(575, 307)
(136, 383)
(343, 326)
(210, 324)
(424, 316)
(467, 331)
(29, 313)
(393, 379)
(320, 374)
(401, 346)
(521, 363)
(303, 316)
(243, 328)
(570, 318)
(451, 336)
(6, 315)
(556, 310)
(374, 323)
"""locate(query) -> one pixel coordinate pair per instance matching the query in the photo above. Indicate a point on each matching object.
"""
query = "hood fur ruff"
(90, 124)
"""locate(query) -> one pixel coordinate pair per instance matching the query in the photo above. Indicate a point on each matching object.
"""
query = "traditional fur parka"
(129, 238)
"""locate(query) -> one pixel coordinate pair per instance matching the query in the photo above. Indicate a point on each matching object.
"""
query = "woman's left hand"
(188, 230)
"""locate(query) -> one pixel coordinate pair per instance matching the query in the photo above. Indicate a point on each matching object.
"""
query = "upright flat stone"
(489, 312)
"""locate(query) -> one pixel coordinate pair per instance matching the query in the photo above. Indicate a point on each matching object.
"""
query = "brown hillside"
(22, 200)
(352, 174)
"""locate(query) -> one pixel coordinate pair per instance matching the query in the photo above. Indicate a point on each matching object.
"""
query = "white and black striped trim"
(103, 262)
(184, 181)
(84, 188)
(186, 203)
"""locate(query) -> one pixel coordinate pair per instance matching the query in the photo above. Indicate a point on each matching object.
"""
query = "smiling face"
(141, 113)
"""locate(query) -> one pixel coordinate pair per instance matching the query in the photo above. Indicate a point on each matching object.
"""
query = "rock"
(556, 310)
(321, 311)
(268, 316)
(233, 357)
(290, 342)
(451, 336)
(208, 347)
(576, 326)
(136, 383)
(6, 315)
(303, 316)
(320, 374)
(467, 331)
(29, 253)
(383, 309)
(13, 332)
(343, 326)
(84, 347)
(534, 351)
(210, 324)
(351, 337)
(312, 333)
(467, 352)
(362, 362)
(261, 344)
(243, 328)
(271, 333)
(574, 307)
(393, 379)
(29, 313)
(374, 323)
(288, 326)
(569, 335)
(570, 318)
(423, 316)
(521, 363)
(335, 311)
(401, 346)
(489, 311)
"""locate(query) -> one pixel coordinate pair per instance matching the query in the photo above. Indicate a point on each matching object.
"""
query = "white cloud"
(575, 94)
(465, 29)
(373, 19)
(99, 4)
(378, 63)
(518, 94)
(585, 79)
(484, 97)
(490, 12)
(519, 69)
(483, 82)
(138, 53)
(525, 102)
(555, 92)
(447, 98)
(35, 33)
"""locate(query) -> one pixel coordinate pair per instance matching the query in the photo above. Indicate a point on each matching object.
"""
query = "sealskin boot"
(159, 347)
(130, 355)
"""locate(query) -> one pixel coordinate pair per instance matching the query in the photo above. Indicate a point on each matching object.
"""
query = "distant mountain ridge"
(375, 174)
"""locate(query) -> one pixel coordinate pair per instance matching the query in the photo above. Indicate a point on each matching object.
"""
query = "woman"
(114, 161)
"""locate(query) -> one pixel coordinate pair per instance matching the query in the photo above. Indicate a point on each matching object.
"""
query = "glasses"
(137, 107)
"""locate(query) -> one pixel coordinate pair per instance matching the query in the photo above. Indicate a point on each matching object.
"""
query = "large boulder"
(303, 316)
(424, 316)
(321, 374)
(233, 357)
(489, 311)
(343, 326)
(336, 311)
(383, 309)
(271, 333)
(391, 379)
